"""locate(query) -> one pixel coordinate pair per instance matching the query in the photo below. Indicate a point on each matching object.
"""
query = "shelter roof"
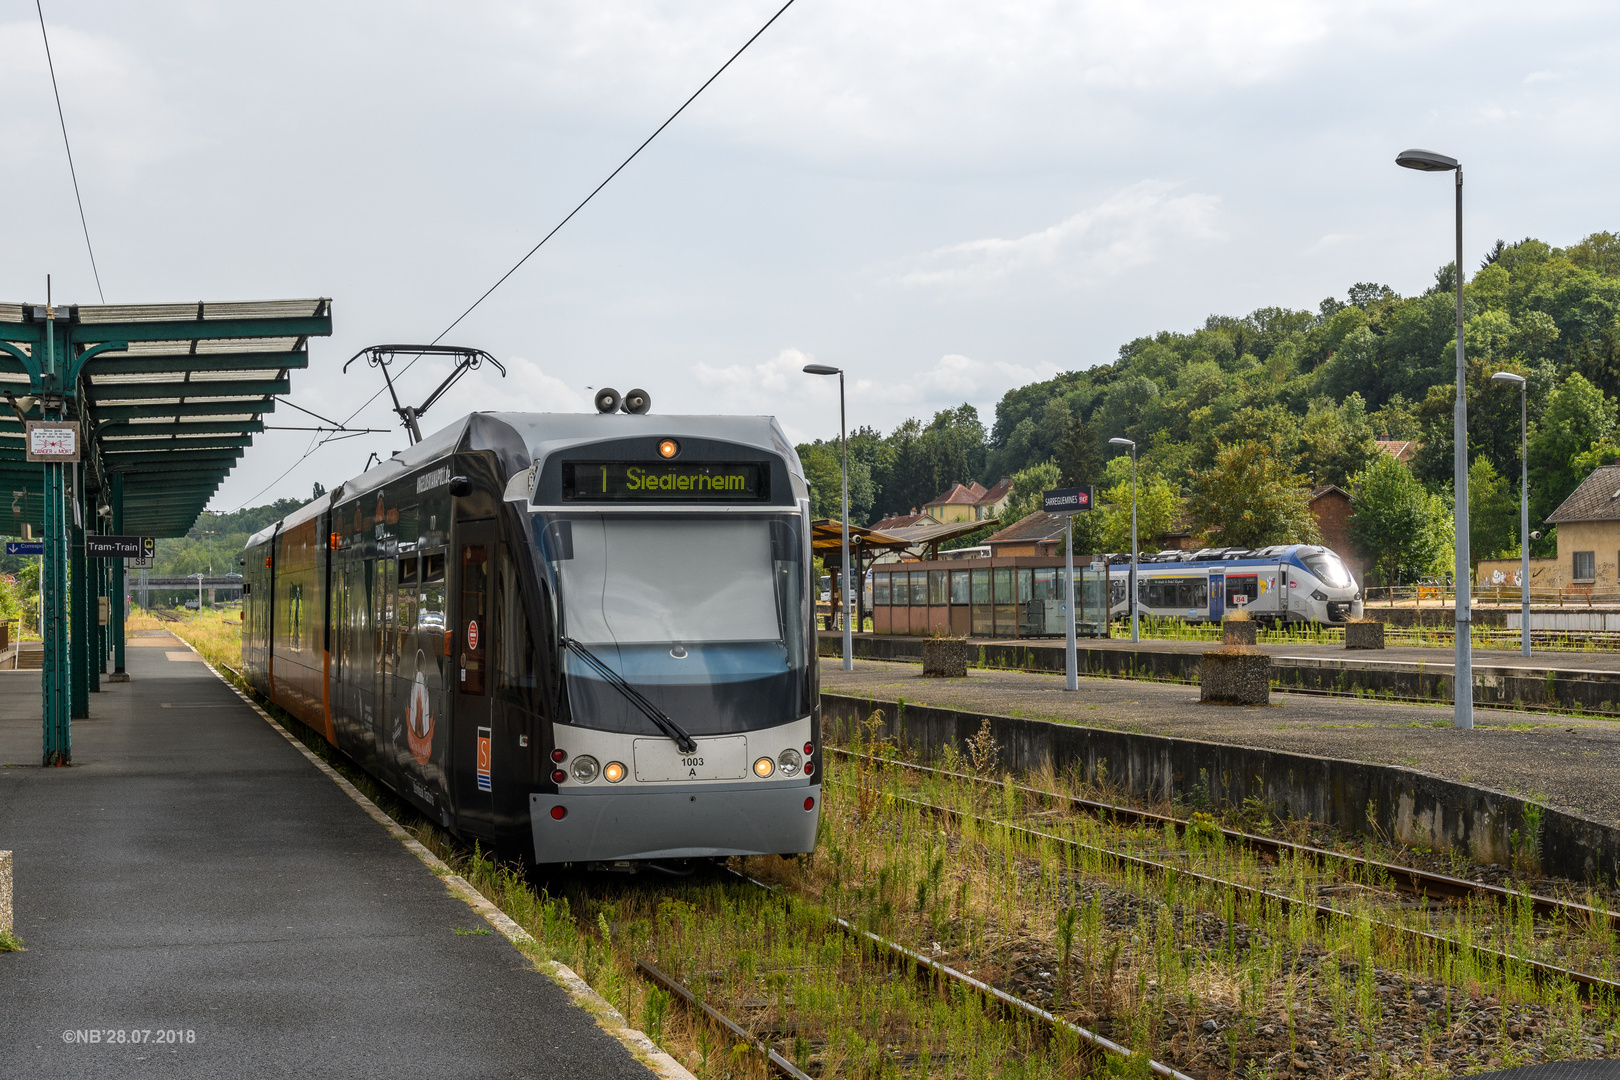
(1597, 498)
(1034, 528)
(168, 396)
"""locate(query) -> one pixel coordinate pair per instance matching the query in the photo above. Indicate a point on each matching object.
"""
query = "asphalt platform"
(192, 872)
(1562, 761)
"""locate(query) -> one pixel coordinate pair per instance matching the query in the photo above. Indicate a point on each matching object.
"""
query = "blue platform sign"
(25, 547)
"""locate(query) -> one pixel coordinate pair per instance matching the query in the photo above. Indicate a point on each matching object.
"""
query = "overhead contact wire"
(74, 173)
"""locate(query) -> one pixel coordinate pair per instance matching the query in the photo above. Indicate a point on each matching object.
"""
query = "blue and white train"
(1286, 583)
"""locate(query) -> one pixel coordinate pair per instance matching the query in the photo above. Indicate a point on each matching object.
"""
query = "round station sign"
(472, 635)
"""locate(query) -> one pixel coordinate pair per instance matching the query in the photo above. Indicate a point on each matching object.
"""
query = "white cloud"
(1124, 231)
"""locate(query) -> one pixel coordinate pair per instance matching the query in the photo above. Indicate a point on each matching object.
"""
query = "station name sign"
(118, 547)
(654, 481)
(1066, 500)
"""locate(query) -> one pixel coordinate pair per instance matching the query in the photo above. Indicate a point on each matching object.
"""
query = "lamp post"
(1524, 506)
(843, 444)
(1135, 633)
(1463, 682)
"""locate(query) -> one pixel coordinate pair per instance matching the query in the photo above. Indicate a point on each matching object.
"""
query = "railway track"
(1542, 972)
(1408, 879)
(899, 957)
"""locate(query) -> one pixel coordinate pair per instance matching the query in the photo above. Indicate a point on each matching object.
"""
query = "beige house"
(970, 502)
(1589, 532)
(1588, 544)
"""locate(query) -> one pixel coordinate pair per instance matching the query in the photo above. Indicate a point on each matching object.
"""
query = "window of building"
(937, 587)
(1585, 566)
(960, 587)
(880, 590)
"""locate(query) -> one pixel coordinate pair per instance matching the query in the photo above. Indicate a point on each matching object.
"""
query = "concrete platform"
(1559, 680)
(1563, 762)
(193, 872)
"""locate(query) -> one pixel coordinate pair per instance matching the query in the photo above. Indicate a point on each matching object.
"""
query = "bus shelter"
(118, 424)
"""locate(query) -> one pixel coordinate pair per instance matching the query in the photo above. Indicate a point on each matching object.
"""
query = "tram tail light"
(559, 755)
(559, 812)
(558, 776)
(809, 768)
(809, 804)
(809, 748)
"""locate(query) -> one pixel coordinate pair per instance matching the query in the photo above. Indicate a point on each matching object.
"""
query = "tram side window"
(407, 601)
(1243, 590)
(474, 628)
(515, 646)
(430, 621)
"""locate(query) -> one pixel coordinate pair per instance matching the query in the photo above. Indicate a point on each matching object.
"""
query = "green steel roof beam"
(148, 364)
(193, 330)
(184, 408)
(192, 390)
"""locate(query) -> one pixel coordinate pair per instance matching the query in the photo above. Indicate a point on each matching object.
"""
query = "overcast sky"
(947, 198)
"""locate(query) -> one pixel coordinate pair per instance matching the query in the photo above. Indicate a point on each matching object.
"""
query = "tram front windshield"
(705, 616)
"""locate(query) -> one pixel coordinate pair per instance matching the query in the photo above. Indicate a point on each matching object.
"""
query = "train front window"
(1329, 569)
(705, 616)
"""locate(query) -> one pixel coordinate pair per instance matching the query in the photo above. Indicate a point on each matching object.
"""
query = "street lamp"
(1524, 506)
(843, 443)
(1463, 684)
(1135, 633)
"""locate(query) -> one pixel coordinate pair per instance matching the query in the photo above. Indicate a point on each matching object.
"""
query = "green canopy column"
(118, 602)
(80, 659)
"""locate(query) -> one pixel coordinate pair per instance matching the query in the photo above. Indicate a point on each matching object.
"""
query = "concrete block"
(1241, 631)
(1235, 678)
(1364, 635)
(945, 658)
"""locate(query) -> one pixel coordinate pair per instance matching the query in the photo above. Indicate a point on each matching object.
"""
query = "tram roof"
(169, 396)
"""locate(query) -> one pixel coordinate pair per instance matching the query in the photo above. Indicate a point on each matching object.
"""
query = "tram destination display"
(656, 481)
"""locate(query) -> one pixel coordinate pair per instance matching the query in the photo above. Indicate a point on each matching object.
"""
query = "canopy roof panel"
(169, 396)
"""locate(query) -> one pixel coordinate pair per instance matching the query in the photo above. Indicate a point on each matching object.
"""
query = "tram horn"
(607, 400)
(637, 402)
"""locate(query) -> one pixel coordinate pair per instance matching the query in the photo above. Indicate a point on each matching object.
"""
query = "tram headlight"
(789, 761)
(614, 772)
(764, 767)
(585, 768)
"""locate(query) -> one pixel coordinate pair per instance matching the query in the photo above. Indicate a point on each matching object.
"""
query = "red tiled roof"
(973, 494)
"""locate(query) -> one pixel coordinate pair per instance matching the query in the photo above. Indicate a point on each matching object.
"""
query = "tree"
(1577, 417)
(1078, 461)
(1158, 505)
(1028, 487)
(1493, 513)
(1401, 527)
(1249, 498)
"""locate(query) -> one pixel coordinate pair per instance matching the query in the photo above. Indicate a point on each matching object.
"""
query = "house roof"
(973, 494)
(900, 521)
(1597, 499)
(1036, 528)
(1401, 450)
(1329, 489)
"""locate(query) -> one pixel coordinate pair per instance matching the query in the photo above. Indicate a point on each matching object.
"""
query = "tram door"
(1283, 585)
(473, 644)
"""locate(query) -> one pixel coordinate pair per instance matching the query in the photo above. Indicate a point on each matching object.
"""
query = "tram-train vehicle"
(578, 639)
(1279, 584)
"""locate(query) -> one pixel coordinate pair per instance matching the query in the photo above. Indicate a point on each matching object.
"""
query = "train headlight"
(1318, 595)
(585, 768)
(789, 761)
(614, 772)
(764, 767)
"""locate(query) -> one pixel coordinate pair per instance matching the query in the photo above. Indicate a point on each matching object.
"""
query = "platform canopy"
(169, 397)
(916, 541)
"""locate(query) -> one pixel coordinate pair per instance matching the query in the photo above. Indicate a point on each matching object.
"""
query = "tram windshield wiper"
(660, 719)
